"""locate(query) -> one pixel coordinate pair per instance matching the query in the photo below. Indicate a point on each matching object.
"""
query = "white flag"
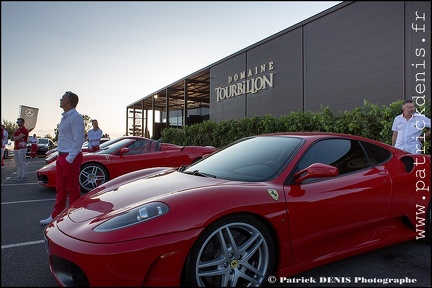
(29, 114)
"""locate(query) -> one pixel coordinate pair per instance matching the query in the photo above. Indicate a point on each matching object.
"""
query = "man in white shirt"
(408, 129)
(94, 136)
(34, 145)
(70, 139)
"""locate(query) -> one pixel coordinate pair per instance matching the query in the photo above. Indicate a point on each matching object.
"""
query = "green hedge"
(370, 121)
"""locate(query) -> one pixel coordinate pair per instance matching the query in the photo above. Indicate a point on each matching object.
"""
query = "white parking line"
(22, 244)
(8, 182)
(20, 183)
(27, 201)
(25, 243)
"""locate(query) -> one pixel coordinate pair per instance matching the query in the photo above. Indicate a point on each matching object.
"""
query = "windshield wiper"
(182, 168)
(198, 173)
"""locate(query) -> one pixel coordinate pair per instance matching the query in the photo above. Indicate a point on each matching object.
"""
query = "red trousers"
(94, 149)
(33, 151)
(67, 181)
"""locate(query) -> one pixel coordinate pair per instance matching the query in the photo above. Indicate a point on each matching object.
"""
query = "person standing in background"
(3, 146)
(20, 136)
(70, 140)
(34, 145)
(94, 136)
(4, 135)
(408, 128)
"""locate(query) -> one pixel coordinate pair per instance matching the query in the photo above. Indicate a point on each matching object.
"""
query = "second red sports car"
(123, 156)
(51, 155)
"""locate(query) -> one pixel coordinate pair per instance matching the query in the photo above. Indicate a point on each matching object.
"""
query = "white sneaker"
(46, 221)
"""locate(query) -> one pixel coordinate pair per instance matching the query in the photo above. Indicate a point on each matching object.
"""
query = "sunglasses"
(68, 94)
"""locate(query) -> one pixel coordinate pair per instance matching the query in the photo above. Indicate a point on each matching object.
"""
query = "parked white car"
(9, 149)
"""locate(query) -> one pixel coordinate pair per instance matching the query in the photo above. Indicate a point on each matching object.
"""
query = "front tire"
(91, 176)
(233, 251)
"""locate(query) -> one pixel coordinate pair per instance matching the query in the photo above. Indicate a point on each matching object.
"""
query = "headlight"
(134, 216)
(49, 165)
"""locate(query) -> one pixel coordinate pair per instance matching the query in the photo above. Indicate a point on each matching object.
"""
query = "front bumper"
(154, 261)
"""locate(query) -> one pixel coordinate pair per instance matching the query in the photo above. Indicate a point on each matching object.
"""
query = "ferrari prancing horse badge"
(273, 193)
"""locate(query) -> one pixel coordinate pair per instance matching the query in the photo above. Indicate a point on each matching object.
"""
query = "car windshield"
(250, 159)
(109, 142)
(102, 141)
(112, 147)
(43, 141)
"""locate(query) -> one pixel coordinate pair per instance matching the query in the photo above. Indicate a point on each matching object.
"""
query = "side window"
(152, 146)
(344, 154)
(326, 151)
(137, 147)
(377, 155)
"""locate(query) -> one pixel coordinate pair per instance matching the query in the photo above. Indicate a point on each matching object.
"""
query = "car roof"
(314, 135)
(319, 135)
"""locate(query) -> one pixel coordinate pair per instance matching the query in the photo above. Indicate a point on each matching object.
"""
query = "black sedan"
(44, 144)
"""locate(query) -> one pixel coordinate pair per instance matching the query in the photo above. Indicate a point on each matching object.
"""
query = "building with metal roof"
(377, 51)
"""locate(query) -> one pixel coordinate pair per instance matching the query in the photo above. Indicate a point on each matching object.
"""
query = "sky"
(112, 54)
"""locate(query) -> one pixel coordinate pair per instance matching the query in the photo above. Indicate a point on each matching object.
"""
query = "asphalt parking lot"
(24, 204)
(25, 262)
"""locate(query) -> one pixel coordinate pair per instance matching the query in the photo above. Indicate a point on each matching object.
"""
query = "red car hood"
(124, 193)
(135, 193)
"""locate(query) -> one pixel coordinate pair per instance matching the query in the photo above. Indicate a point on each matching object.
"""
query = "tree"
(87, 122)
(87, 126)
(55, 139)
(10, 127)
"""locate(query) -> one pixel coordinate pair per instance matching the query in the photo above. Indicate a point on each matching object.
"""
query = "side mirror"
(316, 170)
(124, 150)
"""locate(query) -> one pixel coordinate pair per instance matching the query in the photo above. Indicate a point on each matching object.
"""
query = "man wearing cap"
(20, 136)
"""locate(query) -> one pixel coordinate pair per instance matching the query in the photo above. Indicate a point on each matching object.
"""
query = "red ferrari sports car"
(51, 155)
(123, 155)
(261, 209)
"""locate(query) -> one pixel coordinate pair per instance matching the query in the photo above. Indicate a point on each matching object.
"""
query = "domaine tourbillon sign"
(258, 79)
